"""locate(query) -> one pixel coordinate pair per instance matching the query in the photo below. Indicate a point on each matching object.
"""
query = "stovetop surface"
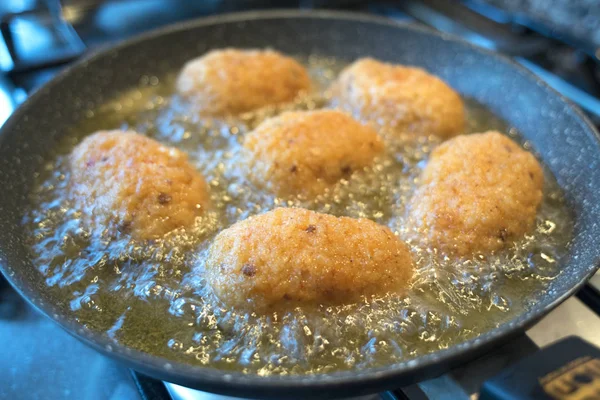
(41, 361)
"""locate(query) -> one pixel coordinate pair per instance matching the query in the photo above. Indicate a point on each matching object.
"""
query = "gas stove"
(39, 360)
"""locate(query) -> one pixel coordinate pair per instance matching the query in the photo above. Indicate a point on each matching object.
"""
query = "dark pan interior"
(559, 133)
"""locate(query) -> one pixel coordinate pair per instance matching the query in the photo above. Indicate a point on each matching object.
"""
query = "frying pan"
(565, 140)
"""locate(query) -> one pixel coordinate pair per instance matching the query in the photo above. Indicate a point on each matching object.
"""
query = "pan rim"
(227, 381)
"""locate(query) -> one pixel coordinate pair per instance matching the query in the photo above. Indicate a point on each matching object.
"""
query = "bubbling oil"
(153, 296)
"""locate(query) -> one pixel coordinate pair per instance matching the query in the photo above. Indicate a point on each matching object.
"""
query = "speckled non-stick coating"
(566, 142)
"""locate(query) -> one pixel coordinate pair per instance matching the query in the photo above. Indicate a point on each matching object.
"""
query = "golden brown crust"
(233, 81)
(307, 152)
(293, 255)
(400, 97)
(478, 193)
(135, 183)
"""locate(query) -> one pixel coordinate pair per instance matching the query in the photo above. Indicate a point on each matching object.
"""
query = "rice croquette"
(405, 99)
(233, 81)
(306, 152)
(136, 184)
(295, 256)
(478, 193)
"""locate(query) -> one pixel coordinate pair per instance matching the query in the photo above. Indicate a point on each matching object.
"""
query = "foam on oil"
(152, 296)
